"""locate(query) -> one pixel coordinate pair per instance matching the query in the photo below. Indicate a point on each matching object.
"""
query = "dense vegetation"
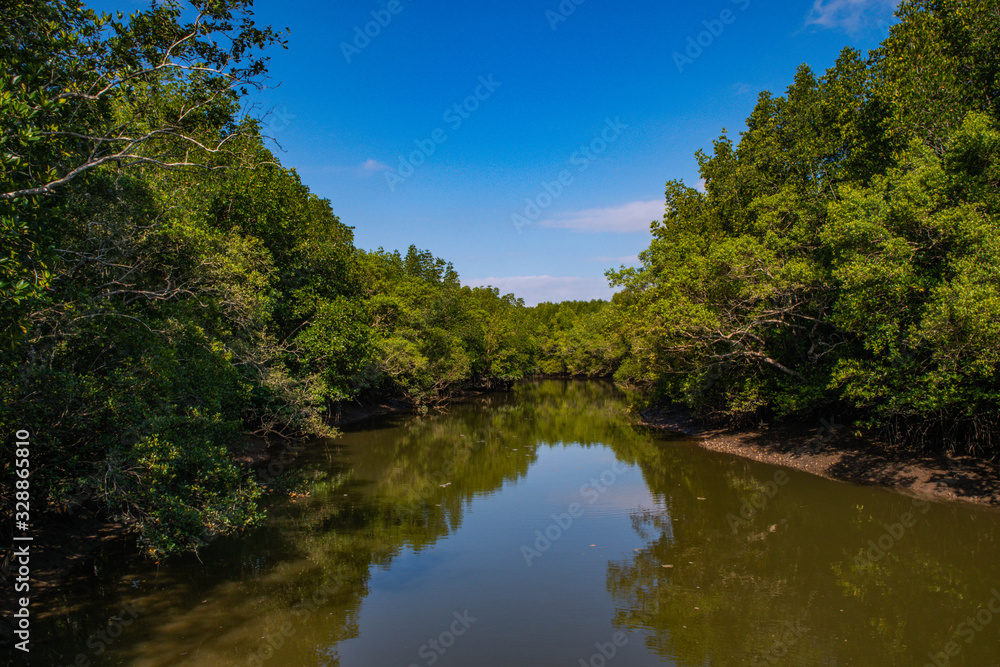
(845, 253)
(575, 338)
(168, 286)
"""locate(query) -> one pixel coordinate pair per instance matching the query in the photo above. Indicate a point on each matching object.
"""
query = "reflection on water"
(541, 528)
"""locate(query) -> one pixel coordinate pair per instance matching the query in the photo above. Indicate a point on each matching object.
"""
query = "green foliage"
(432, 335)
(844, 255)
(180, 486)
(152, 317)
(917, 258)
(575, 338)
(81, 91)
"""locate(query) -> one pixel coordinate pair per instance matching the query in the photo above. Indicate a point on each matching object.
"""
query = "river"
(540, 527)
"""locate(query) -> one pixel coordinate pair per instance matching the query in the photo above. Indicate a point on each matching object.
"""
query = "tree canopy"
(845, 252)
(169, 288)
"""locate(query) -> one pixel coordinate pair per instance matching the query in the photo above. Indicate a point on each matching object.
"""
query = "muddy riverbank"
(831, 450)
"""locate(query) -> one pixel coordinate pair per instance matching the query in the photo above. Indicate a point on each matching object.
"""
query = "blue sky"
(527, 141)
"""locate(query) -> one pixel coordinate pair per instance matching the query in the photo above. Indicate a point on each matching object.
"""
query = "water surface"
(540, 527)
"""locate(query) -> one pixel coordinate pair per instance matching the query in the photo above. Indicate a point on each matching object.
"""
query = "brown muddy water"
(540, 527)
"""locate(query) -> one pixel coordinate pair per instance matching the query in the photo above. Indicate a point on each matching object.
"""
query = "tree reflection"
(787, 586)
(784, 585)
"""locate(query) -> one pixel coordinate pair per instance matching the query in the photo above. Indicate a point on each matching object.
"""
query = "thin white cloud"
(608, 259)
(631, 217)
(366, 168)
(374, 165)
(536, 289)
(851, 15)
